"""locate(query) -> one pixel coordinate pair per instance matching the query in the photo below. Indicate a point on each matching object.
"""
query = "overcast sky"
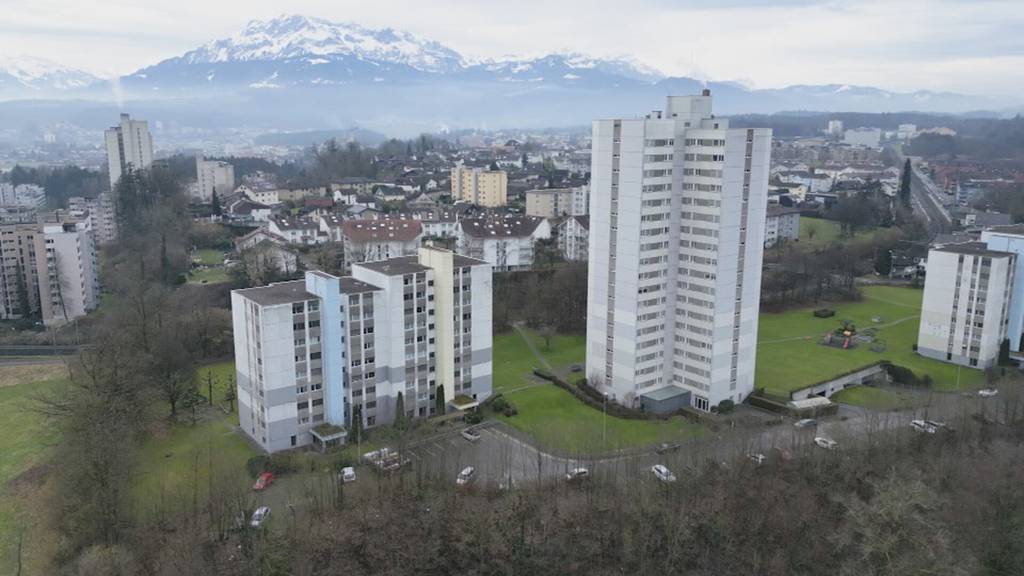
(970, 46)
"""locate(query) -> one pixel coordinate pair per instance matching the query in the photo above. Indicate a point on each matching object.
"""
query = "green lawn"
(184, 456)
(816, 232)
(208, 257)
(24, 442)
(789, 356)
(555, 418)
(873, 398)
(214, 275)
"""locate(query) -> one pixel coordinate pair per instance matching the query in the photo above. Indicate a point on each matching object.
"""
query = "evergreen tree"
(215, 204)
(905, 184)
(400, 412)
(356, 425)
(439, 399)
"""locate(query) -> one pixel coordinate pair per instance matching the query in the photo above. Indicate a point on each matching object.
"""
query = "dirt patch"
(31, 479)
(12, 375)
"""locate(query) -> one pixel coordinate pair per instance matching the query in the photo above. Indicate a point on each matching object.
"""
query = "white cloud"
(966, 46)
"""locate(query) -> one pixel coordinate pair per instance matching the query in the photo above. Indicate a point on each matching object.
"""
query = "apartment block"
(129, 146)
(48, 271)
(581, 200)
(782, 223)
(965, 313)
(487, 188)
(549, 202)
(213, 175)
(22, 195)
(308, 352)
(677, 225)
(1011, 239)
(100, 213)
(574, 237)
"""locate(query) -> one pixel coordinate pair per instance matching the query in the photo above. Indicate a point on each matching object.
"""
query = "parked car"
(756, 458)
(264, 480)
(577, 474)
(348, 474)
(471, 434)
(805, 423)
(922, 426)
(826, 443)
(662, 473)
(466, 476)
(939, 425)
(988, 392)
(259, 516)
(666, 447)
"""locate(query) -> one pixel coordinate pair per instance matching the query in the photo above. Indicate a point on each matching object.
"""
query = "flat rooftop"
(460, 261)
(395, 266)
(1015, 229)
(972, 248)
(279, 293)
(350, 285)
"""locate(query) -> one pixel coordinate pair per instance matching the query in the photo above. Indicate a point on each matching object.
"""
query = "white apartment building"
(574, 237)
(581, 200)
(1011, 239)
(325, 349)
(677, 217)
(22, 195)
(781, 223)
(966, 308)
(549, 202)
(129, 145)
(835, 127)
(866, 137)
(372, 240)
(507, 243)
(55, 264)
(487, 188)
(213, 175)
(100, 213)
(296, 229)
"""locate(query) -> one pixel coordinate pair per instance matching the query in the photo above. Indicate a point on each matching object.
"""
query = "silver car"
(662, 473)
(260, 516)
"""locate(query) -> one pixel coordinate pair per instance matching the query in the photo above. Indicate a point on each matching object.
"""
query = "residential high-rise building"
(1011, 239)
(213, 175)
(48, 270)
(677, 218)
(965, 312)
(549, 202)
(100, 212)
(309, 352)
(129, 146)
(487, 188)
(581, 200)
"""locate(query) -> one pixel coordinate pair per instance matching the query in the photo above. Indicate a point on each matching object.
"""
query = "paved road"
(928, 201)
(500, 455)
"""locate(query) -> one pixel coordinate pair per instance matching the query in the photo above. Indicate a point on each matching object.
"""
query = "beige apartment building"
(47, 269)
(549, 203)
(487, 188)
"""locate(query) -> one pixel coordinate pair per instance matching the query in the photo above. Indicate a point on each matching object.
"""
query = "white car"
(466, 476)
(988, 392)
(662, 473)
(348, 474)
(259, 516)
(805, 423)
(471, 434)
(577, 474)
(826, 443)
(922, 426)
(757, 458)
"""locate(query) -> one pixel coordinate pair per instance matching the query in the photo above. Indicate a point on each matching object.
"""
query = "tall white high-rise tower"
(129, 145)
(677, 219)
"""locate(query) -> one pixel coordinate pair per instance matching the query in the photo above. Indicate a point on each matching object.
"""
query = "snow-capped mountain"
(24, 76)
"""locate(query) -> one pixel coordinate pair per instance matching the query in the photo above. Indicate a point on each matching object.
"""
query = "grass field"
(789, 356)
(873, 398)
(816, 232)
(556, 418)
(183, 456)
(24, 443)
(208, 257)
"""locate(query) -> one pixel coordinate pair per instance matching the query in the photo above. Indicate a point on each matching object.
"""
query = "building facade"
(507, 243)
(1011, 239)
(487, 188)
(213, 175)
(781, 224)
(677, 217)
(22, 195)
(966, 306)
(574, 238)
(581, 200)
(129, 146)
(327, 349)
(100, 213)
(48, 270)
(549, 202)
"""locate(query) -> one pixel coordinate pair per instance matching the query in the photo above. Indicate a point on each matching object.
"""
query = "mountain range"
(297, 72)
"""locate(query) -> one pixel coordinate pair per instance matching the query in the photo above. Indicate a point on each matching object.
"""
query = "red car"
(265, 479)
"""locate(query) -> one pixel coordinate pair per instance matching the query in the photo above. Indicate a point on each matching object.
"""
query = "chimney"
(706, 92)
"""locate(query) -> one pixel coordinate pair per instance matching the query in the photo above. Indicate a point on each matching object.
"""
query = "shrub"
(726, 406)
(257, 465)
(544, 374)
(510, 410)
(474, 417)
(499, 404)
(283, 463)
